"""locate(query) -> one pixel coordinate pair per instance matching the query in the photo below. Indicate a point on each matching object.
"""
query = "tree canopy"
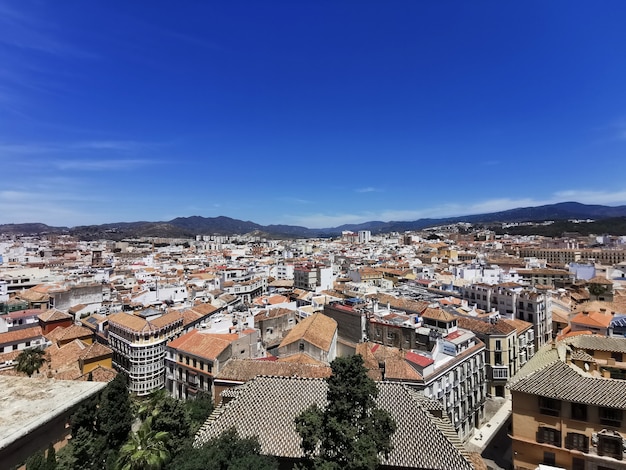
(30, 360)
(351, 432)
(229, 451)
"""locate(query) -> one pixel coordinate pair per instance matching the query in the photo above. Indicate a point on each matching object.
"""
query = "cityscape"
(509, 347)
(317, 235)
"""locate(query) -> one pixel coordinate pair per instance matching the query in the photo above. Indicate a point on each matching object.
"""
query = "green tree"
(88, 450)
(51, 458)
(37, 461)
(30, 361)
(226, 452)
(114, 416)
(351, 433)
(199, 409)
(145, 450)
(171, 416)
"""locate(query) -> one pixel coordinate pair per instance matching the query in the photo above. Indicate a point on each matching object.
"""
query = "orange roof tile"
(318, 329)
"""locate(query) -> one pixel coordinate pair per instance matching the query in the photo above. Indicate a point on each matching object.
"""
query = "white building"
(138, 344)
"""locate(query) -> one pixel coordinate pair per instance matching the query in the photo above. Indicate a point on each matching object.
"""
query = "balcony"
(499, 373)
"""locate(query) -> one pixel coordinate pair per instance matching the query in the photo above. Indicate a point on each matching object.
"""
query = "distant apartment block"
(515, 301)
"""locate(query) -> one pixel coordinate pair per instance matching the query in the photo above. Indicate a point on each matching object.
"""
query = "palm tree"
(145, 450)
(30, 360)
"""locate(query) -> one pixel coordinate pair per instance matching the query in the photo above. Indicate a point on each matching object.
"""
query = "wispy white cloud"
(368, 189)
(293, 200)
(322, 220)
(99, 165)
(36, 148)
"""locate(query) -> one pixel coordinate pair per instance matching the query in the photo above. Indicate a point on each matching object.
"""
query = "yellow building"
(566, 413)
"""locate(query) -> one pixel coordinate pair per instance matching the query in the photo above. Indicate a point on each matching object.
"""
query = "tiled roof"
(54, 315)
(593, 319)
(318, 329)
(267, 406)
(520, 325)
(486, 327)
(70, 333)
(438, 314)
(204, 345)
(18, 336)
(100, 374)
(598, 343)
(96, 350)
(399, 370)
(566, 382)
(243, 370)
(300, 358)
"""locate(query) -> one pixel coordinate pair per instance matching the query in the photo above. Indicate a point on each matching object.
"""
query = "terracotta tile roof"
(318, 330)
(166, 319)
(520, 325)
(267, 406)
(95, 351)
(64, 334)
(567, 382)
(593, 319)
(438, 314)
(126, 320)
(243, 370)
(54, 315)
(397, 369)
(498, 328)
(300, 358)
(21, 335)
(273, 313)
(600, 280)
(64, 359)
(100, 374)
(203, 345)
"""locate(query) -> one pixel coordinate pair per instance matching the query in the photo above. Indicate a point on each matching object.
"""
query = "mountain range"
(181, 227)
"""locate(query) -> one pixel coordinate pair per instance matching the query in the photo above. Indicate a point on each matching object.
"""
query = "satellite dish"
(586, 367)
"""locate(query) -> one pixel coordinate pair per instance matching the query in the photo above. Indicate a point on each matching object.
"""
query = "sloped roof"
(20, 335)
(318, 330)
(204, 345)
(242, 370)
(267, 406)
(54, 315)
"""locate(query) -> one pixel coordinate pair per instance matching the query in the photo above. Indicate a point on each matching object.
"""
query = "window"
(549, 436)
(498, 345)
(577, 441)
(611, 446)
(549, 458)
(578, 464)
(498, 358)
(301, 346)
(611, 417)
(549, 406)
(617, 356)
(579, 411)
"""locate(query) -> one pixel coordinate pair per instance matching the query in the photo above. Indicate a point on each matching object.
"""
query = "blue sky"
(314, 113)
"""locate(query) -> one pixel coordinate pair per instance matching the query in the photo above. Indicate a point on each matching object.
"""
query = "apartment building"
(448, 364)
(193, 359)
(563, 256)
(512, 300)
(138, 344)
(568, 406)
(312, 277)
(501, 354)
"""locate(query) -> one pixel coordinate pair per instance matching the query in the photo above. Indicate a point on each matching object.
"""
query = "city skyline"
(312, 114)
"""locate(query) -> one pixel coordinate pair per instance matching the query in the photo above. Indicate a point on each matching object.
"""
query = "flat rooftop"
(27, 403)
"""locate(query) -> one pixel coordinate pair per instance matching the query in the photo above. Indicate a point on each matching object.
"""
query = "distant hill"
(183, 227)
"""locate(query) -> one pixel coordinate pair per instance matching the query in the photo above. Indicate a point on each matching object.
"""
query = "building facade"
(138, 346)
